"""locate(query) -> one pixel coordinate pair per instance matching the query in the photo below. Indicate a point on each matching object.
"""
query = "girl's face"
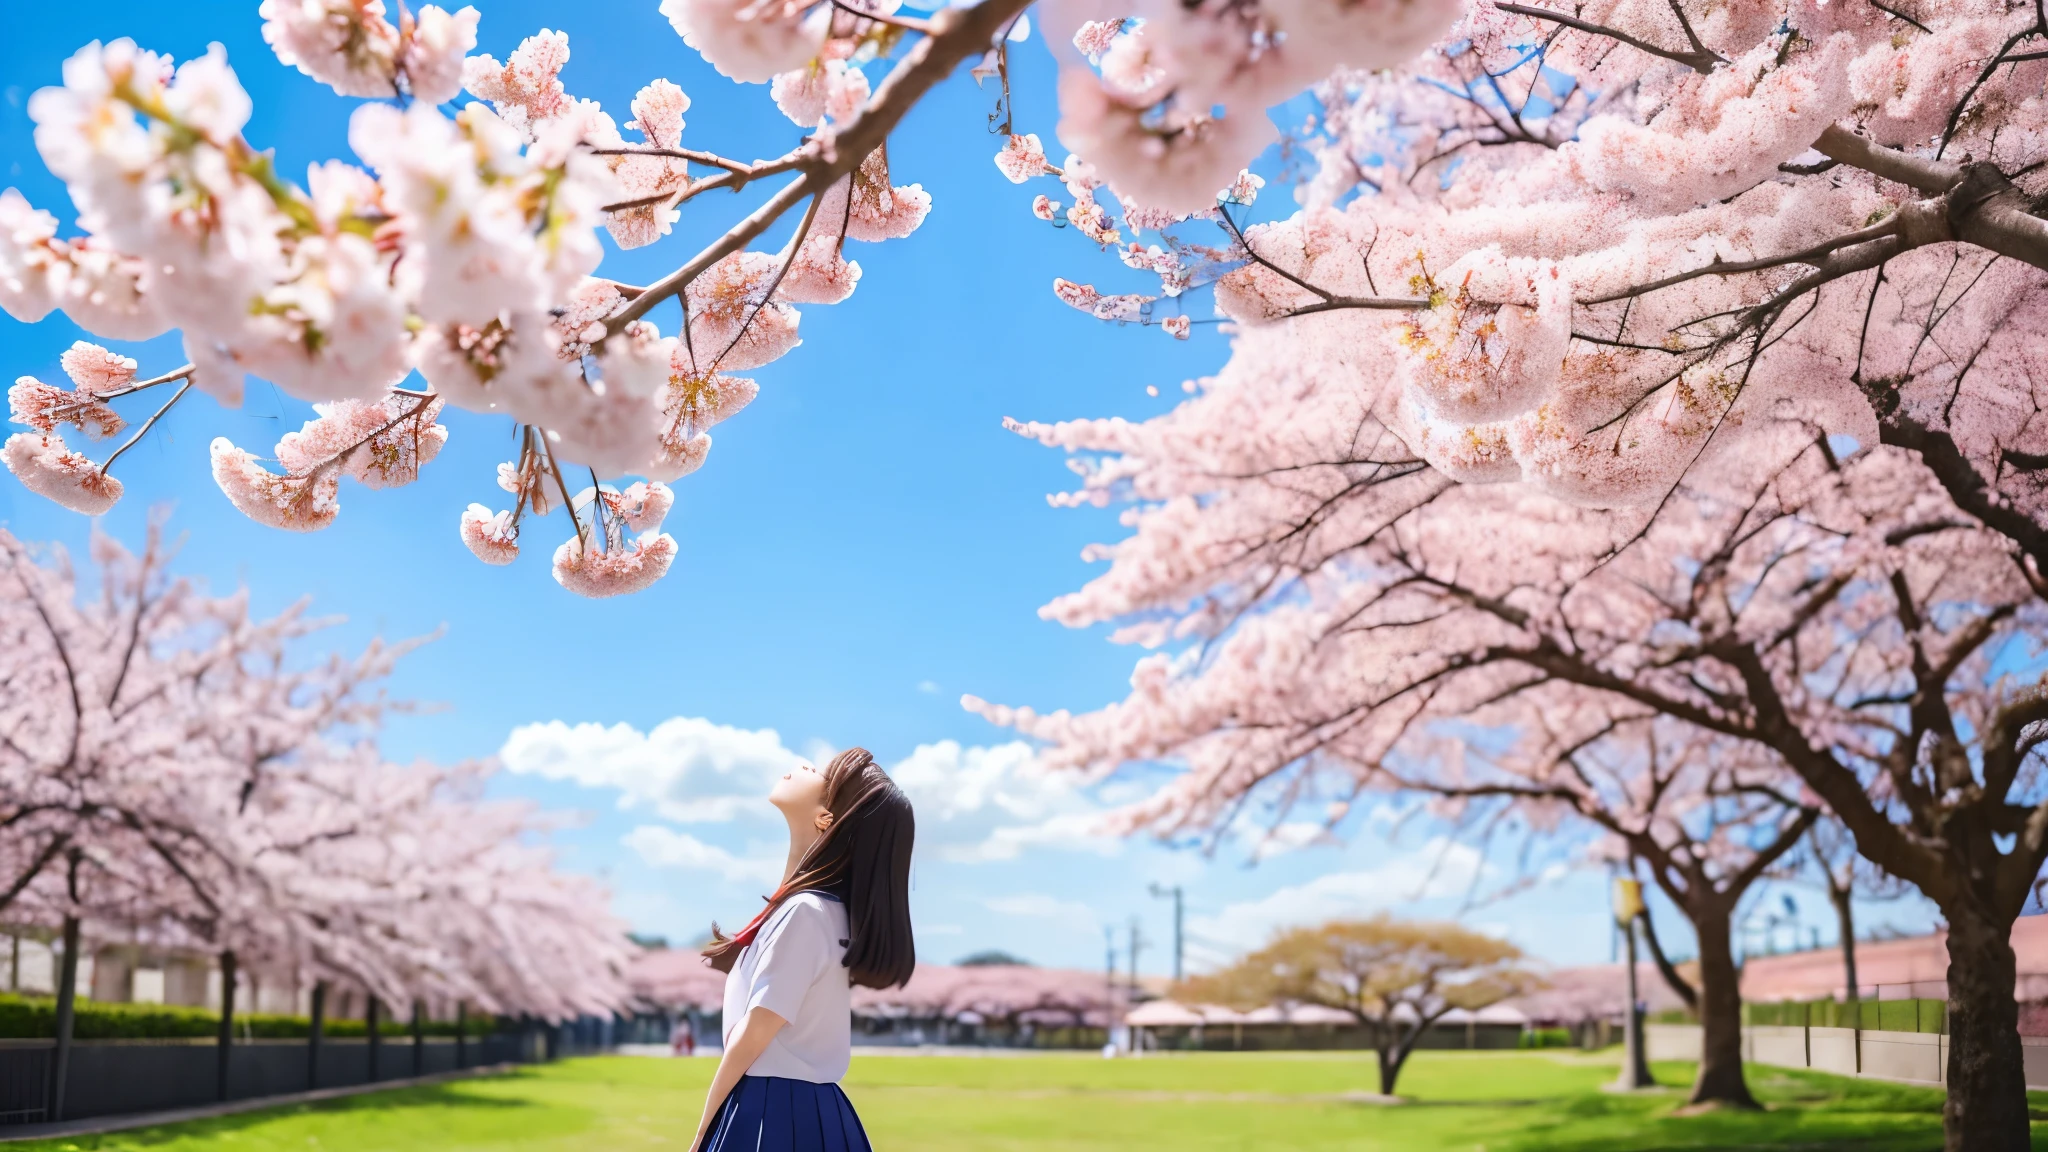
(801, 793)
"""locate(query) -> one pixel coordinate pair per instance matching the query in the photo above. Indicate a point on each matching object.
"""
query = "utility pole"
(1137, 942)
(1109, 963)
(1161, 891)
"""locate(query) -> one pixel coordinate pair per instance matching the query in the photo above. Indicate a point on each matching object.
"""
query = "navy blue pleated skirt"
(773, 1114)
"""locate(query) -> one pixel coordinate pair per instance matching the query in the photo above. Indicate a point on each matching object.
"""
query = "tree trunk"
(1685, 992)
(1845, 918)
(1987, 1090)
(1720, 1076)
(1390, 1068)
(224, 1049)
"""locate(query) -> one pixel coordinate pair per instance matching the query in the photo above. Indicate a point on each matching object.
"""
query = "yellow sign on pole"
(1628, 899)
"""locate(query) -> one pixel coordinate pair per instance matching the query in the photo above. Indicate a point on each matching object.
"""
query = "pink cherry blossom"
(492, 536)
(43, 407)
(821, 89)
(47, 468)
(658, 115)
(642, 505)
(617, 572)
(527, 89)
(293, 503)
(381, 445)
(352, 47)
(1175, 326)
(879, 211)
(751, 41)
(93, 369)
(1093, 38)
(1175, 164)
(1022, 158)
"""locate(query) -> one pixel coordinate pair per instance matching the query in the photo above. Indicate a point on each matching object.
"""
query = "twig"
(954, 35)
(1700, 59)
(146, 425)
(908, 23)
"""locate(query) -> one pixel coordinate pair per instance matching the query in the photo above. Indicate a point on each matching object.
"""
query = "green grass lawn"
(1496, 1102)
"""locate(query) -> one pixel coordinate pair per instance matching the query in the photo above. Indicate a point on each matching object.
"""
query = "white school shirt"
(796, 968)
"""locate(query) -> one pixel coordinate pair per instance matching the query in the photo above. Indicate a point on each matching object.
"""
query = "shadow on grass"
(451, 1096)
(1800, 1110)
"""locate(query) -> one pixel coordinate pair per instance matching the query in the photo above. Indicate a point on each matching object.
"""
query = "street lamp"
(1628, 908)
(1161, 891)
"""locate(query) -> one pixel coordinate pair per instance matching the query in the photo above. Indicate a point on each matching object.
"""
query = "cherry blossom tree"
(1343, 617)
(467, 249)
(1627, 257)
(1394, 977)
(1707, 816)
(172, 770)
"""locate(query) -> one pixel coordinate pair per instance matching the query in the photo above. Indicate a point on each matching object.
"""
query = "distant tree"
(1395, 977)
(992, 958)
(173, 773)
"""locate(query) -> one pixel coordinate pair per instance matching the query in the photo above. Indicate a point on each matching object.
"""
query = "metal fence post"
(67, 993)
(376, 1042)
(315, 1034)
(225, 1047)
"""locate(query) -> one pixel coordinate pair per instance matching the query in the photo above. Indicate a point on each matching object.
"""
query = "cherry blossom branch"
(55, 847)
(568, 505)
(796, 244)
(1976, 203)
(1699, 58)
(709, 159)
(735, 177)
(1327, 301)
(955, 34)
(1720, 267)
(146, 426)
(907, 23)
(1997, 61)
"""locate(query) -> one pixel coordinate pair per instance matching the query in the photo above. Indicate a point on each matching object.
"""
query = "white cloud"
(1288, 837)
(928, 687)
(692, 771)
(995, 803)
(668, 848)
(1439, 869)
(1074, 832)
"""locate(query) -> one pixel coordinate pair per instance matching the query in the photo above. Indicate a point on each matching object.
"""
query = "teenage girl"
(840, 917)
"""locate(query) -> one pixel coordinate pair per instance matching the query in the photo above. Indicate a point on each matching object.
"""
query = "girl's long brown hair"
(864, 860)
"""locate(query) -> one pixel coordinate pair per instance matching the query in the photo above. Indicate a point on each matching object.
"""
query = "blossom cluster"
(462, 245)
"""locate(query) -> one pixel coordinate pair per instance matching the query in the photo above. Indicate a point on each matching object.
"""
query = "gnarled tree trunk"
(1720, 1007)
(1987, 1089)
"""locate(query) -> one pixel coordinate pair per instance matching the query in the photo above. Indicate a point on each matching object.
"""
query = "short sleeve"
(793, 956)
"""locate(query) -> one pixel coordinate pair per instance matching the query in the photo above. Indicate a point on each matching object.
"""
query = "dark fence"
(1916, 1015)
(116, 1077)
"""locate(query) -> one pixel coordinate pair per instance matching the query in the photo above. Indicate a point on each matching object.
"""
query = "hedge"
(1870, 1015)
(23, 1017)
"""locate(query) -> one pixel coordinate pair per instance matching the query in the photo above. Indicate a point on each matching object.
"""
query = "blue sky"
(865, 544)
